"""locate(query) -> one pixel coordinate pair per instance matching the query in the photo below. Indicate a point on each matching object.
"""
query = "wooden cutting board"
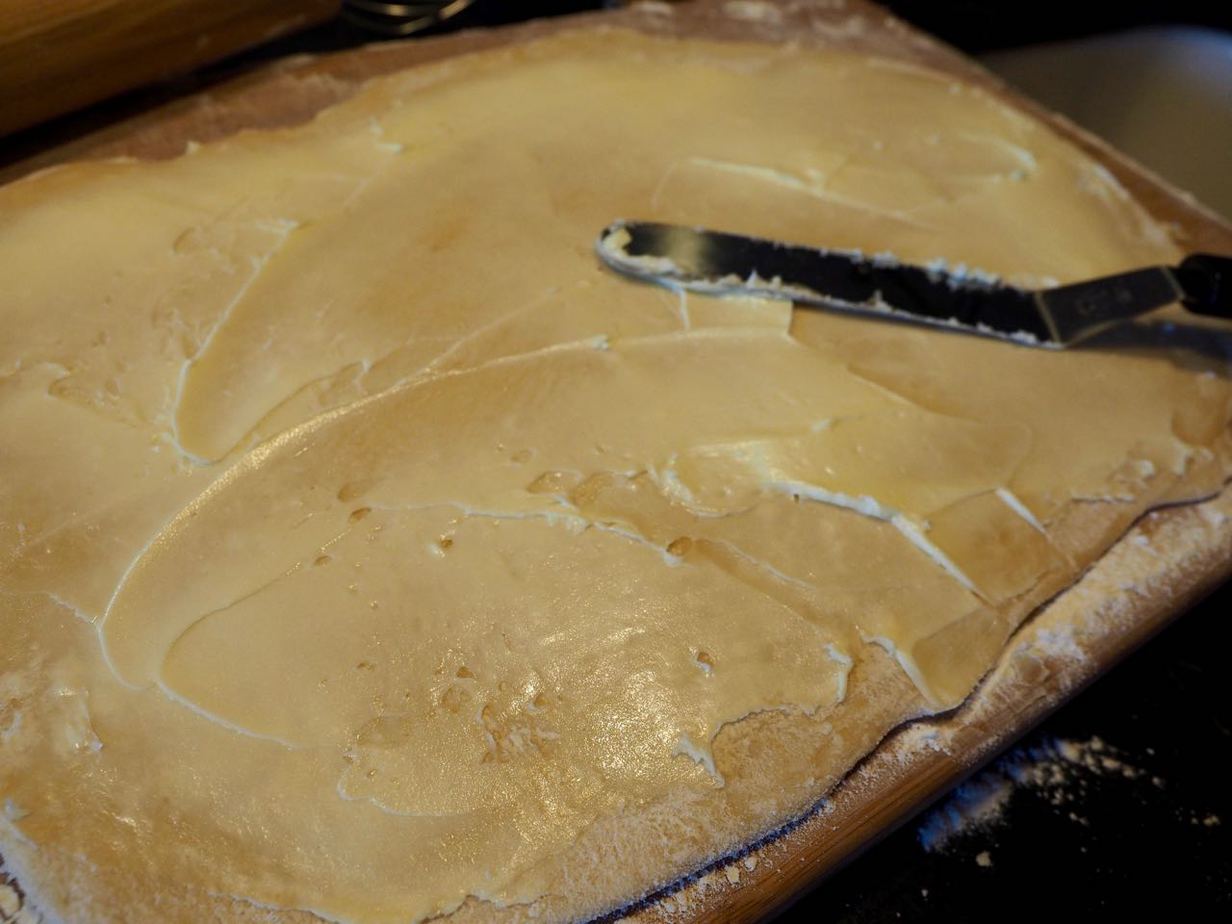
(1175, 556)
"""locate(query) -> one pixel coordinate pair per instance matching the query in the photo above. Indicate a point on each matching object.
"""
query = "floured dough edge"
(1129, 593)
(1168, 561)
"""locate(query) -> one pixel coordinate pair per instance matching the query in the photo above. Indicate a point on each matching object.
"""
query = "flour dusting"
(1060, 770)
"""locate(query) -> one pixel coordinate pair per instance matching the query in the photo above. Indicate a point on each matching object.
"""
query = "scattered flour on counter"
(1059, 770)
(974, 805)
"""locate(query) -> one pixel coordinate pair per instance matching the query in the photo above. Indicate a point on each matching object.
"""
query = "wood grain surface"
(1180, 554)
(57, 55)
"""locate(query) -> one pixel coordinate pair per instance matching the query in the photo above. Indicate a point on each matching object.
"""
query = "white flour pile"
(1060, 770)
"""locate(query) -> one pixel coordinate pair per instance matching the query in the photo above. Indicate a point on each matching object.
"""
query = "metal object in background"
(397, 19)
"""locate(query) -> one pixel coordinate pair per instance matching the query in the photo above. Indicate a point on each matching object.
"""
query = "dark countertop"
(1139, 814)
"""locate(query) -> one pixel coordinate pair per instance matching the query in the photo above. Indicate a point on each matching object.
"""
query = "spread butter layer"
(364, 544)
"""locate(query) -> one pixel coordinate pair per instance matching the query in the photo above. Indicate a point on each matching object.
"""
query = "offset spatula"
(718, 263)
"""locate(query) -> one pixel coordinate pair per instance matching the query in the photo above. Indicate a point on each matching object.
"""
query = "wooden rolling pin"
(58, 55)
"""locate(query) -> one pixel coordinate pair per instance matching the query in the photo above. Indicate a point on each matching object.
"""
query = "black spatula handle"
(1206, 281)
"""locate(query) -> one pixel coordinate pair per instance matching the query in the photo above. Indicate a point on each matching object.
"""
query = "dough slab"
(366, 547)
